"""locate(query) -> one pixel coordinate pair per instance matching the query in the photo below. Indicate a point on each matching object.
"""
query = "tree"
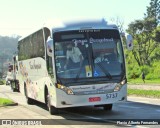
(157, 34)
(119, 22)
(153, 12)
(145, 34)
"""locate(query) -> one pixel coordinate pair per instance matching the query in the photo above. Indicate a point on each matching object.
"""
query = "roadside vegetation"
(5, 102)
(144, 93)
(145, 55)
(2, 82)
(140, 81)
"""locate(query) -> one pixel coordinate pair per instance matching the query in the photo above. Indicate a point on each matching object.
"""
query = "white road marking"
(140, 127)
(141, 101)
(105, 120)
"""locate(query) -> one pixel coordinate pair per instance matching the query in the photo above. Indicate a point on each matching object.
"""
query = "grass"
(140, 81)
(144, 93)
(4, 102)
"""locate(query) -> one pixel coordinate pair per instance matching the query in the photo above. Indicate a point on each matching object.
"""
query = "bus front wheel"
(108, 107)
(52, 110)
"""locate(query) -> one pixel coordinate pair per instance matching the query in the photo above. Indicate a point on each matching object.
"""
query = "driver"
(74, 57)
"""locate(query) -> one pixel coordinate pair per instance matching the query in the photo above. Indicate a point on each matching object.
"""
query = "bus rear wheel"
(52, 110)
(108, 107)
(29, 100)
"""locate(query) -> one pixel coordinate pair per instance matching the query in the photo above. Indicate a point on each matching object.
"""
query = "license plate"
(94, 99)
(111, 95)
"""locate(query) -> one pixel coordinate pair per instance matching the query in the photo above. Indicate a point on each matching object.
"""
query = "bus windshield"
(88, 54)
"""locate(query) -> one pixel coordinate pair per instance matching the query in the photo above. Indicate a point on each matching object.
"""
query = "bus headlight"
(119, 85)
(65, 89)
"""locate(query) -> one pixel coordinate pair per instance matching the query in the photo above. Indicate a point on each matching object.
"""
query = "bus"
(11, 76)
(62, 65)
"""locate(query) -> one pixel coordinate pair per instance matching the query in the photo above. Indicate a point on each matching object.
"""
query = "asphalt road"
(134, 108)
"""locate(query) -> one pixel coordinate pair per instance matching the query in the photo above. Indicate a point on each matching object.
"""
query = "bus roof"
(23, 37)
(78, 24)
(81, 25)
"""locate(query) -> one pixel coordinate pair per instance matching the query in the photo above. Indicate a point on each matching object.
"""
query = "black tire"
(15, 86)
(52, 110)
(108, 107)
(28, 100)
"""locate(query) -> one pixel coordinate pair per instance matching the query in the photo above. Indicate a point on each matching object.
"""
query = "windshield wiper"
(102, 68)
(104, 71)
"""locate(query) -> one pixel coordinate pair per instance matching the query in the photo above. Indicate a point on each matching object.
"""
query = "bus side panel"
(33, 73)
(52, 93)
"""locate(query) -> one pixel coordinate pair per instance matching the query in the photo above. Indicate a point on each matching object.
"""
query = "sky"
(20, 17)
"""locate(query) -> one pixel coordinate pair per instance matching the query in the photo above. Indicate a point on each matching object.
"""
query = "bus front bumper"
(64, 100)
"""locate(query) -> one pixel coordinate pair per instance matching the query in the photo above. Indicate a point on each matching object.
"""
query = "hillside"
(8, 47)
(8, 44)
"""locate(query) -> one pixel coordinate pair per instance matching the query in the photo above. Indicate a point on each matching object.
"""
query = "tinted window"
(33, 45)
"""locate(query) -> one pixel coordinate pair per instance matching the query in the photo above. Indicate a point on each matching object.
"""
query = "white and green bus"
(46, 70)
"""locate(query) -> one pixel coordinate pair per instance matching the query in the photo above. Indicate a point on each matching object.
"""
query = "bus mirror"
(49, 46)
(129, 41)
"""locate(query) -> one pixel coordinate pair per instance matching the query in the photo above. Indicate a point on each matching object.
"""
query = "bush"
(133, 71)
(146, 69)
(2, 82)
(156, 71)
(149, 77)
